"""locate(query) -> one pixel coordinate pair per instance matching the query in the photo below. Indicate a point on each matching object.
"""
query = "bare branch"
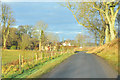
(99, 9)
(117, 11)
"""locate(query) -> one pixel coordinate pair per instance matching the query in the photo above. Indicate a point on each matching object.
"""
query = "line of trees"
(83, 40)
(23, 36)
(98, 17)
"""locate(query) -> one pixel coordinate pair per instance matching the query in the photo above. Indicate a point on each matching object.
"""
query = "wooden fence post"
(36, 56)
(52, 54)
(33, 57)
(48, 54)
(19, 62)
(44, 54)
(22, 60)
(41, 55)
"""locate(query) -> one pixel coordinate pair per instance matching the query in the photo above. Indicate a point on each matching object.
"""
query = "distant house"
(66, 43)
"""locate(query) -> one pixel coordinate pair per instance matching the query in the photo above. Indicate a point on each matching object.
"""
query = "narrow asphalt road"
(82, 65)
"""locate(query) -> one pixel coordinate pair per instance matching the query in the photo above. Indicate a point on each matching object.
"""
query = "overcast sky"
(59, 19)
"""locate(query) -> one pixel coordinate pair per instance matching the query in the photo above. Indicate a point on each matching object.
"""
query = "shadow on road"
(76, 51)
(118, 78)
(80, 51)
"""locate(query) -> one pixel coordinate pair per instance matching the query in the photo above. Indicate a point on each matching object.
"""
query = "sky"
(57, 0)
(59, 19)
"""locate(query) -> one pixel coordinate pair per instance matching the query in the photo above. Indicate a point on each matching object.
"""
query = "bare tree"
(81, 39)
(7, 21)
(86, 16)
(39, 30)
(104, 12)
(109, 10)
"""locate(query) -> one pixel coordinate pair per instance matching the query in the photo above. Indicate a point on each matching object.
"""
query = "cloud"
(57, 32)
(64, 32)
(16, 26)
(72, 32)
(78, 32)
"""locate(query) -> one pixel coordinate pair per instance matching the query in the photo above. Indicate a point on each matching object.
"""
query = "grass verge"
(109, 52)
(49, 66)
(40, 67)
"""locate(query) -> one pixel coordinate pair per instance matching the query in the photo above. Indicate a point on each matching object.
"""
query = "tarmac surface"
(82, 65)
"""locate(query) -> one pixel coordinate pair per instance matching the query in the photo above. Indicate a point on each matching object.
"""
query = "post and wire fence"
(38, 57)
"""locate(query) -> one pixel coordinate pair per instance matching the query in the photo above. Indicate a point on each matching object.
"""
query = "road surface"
(82, 65)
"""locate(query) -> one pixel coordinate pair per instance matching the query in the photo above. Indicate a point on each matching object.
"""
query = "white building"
(66, 44)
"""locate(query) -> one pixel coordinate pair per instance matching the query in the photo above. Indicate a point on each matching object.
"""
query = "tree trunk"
(40, 45)
(112, 32)
(107, 33)
(111, 19)
(95, 41)
(95, 35)
(101, 40)
(40, 40)
(4, 42)
(5, 36)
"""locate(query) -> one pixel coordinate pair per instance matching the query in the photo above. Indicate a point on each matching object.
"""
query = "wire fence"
(25, 63)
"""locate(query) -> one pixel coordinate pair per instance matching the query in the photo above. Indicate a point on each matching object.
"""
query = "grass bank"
(109, 52)
(49, 66)
(31, 68)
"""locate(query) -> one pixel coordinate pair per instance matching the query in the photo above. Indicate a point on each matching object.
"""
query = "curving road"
(82, 65)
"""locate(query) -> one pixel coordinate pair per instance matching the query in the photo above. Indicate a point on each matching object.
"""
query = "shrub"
(13, 47)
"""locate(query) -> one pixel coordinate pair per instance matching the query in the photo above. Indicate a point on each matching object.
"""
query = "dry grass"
(109, 52)
(12, 56)
(43, 65)
(49, 66)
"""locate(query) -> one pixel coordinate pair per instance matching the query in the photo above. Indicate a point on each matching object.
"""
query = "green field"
(9, 56)
(39, 70)
(48, 61)
(12, 56)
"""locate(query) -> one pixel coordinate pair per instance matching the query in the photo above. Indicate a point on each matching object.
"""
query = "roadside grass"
(46, 67)
(29, 62)
(110, 53)
(111, 56)
(38, 68)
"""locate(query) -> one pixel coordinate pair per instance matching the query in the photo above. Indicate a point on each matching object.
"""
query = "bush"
(13, 47)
